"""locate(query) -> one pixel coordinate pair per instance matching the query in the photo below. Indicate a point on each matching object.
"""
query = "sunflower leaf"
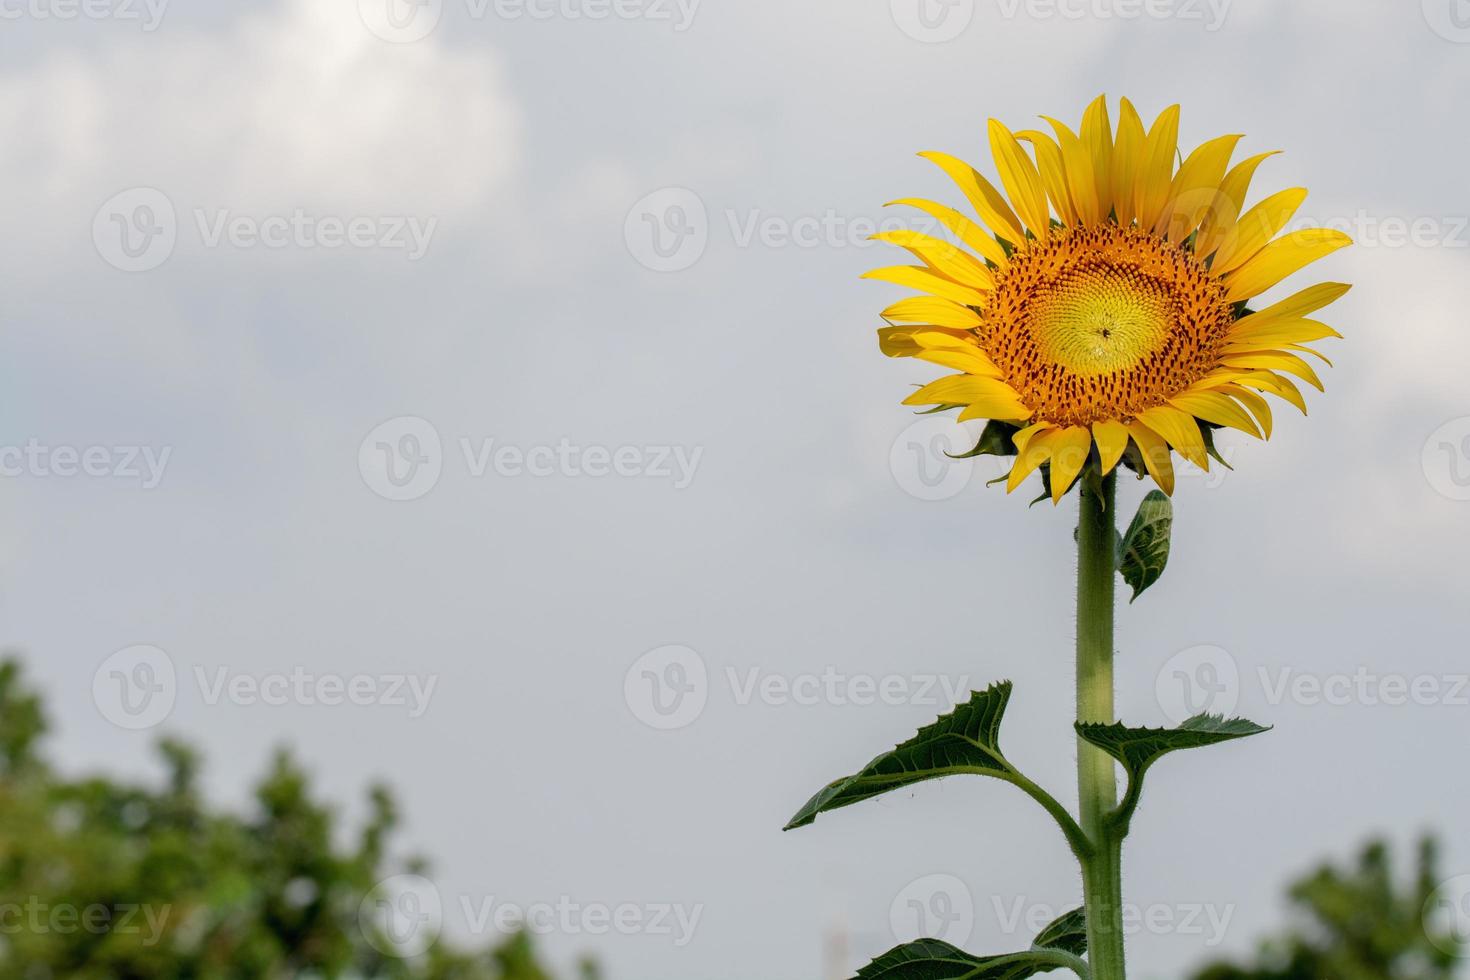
(1207, 432)
(1144, 549)
(994, 441)
(964, 741)
(1139, 748)
(1059, 946)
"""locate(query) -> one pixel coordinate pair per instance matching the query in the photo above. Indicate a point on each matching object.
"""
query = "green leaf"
(1058, 946)
(1207, 432)
(938, 408)
(1139, 748)
(1144, 550)
(994, 441)
(964, 741)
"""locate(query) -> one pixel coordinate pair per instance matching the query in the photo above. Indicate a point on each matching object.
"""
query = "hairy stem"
(1096, 774)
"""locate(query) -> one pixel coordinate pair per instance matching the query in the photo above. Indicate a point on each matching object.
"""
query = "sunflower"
(1100, 311)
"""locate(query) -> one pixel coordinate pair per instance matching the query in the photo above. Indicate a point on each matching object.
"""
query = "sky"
(480, 395)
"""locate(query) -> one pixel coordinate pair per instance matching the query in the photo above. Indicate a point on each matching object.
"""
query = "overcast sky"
(462, 359)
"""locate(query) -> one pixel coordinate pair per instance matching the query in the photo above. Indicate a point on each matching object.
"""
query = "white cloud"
(297, 106)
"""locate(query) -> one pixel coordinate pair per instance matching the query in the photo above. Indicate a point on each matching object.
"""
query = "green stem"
(1102, 880)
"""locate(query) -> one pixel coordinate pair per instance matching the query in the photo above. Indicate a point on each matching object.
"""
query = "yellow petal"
(1097, 136)
(1004, 408)
(1154, 179)
(926, 281)
(1280, 259)
(1020, 178)
(1036, 451)
(1023, 436)
(1196, 188)
(932, 310)
(1180, 430)
(1112, 439)
(1258, 406)
(1255, 228)
(988, 202)
(1077, 166)
(1128, 151)
(1298, 304)
(963, 228)
(942, 257)
(897, 341)
(1053, 173)
(1273, 332)
(1276, 385)
(959, 389)
(1275, 361)
(1069, 454)
(958, 355)
(1155, 453)
(1217, 408)
(1233, 188)
(1232, 198)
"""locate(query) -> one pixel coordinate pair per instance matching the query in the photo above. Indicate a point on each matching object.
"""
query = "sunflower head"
(1097, 310)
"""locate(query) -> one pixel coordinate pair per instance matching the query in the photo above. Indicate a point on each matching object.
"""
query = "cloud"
(296, 106)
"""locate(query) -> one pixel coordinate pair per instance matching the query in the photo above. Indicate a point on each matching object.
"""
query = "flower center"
(1103, 323)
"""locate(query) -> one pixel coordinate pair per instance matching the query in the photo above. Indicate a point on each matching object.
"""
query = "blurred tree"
(1356, 923)
(105, 881)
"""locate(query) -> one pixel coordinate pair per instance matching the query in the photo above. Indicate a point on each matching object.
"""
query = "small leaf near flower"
(1144, 550)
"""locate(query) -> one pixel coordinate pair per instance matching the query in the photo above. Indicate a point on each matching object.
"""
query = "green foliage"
(1144, 550)
(1139, 748)
(1059, 945)
(965, 741)
(100, 880)
(1355, 923)
(996, 440)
